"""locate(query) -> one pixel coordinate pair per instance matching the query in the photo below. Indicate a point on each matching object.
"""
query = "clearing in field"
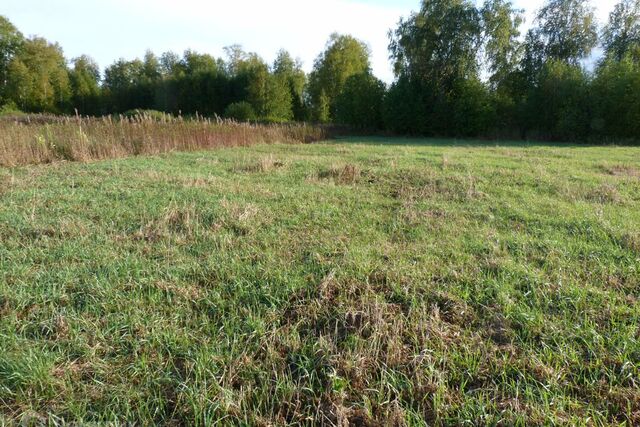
(362, 281)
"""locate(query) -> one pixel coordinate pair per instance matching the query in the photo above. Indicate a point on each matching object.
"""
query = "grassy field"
(360, 281)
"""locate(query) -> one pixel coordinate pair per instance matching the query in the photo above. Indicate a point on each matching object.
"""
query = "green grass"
(361, 280)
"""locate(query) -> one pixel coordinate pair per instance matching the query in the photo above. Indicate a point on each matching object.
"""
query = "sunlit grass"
(358, 280)
(37, 139)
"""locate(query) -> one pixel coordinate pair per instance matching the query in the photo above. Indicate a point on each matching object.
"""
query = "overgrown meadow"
(39, 139)
(363, 281)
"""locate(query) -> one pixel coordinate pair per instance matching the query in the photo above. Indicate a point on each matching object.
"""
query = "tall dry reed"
(47, 139)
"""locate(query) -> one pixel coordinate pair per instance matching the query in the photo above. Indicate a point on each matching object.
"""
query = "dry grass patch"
(445, 162)
(185, 291)
(183, 220)
(631, 241)
(413, 214)
(263, 165)
(198, 182)
(342, 174)
(86, 139)
(188, 222)
(178, 180)
(75, 369)
(605, 193)
(364, 332)
(240, 218)
(7, 181)
(458, 188)
(622, 170)
(239, 211)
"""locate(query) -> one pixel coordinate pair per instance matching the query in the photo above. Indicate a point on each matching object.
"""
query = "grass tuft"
(342, 174)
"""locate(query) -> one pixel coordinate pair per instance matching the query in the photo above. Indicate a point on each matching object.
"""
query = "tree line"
(460, 70)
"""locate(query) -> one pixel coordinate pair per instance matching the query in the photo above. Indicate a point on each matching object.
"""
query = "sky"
(111, 29)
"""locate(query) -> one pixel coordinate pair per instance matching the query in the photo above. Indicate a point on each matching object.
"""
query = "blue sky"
(110, 29)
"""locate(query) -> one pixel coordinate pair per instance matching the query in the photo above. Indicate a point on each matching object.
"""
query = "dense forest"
(461, 70)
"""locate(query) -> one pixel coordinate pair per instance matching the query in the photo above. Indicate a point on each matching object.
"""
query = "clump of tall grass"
(43, 140)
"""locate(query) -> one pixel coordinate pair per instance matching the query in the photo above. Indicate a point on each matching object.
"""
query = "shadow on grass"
(453, 142)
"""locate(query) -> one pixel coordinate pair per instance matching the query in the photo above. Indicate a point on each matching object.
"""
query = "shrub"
(559, 104)
(240, 111)
(616, 89)
(404, 110)
(473, 109)
(360, 103)
(10, 109)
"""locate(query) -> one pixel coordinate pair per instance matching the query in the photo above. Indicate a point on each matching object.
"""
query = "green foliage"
(154, 115)
(194, 83)
(510, 98)
(197, 63)
(123, 85)
(151, 68)
(19, 85)
(237, 59)
(277, 105)
(461, 68)
(502, 48)
(38, 80)
(567, 30)
(435, 54)
(404, 110)
(616, 95)
(321, 107)
(240, 111)
(534, 56)
(290, 70)
(360, 102)
(252, 81)
(11, 41)
(343, 57)
(559, 105)
(199, 83)
(10, 109)
(269, 94)
(621, 36)
(472, 108)
(85, 86)
(439, 44)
